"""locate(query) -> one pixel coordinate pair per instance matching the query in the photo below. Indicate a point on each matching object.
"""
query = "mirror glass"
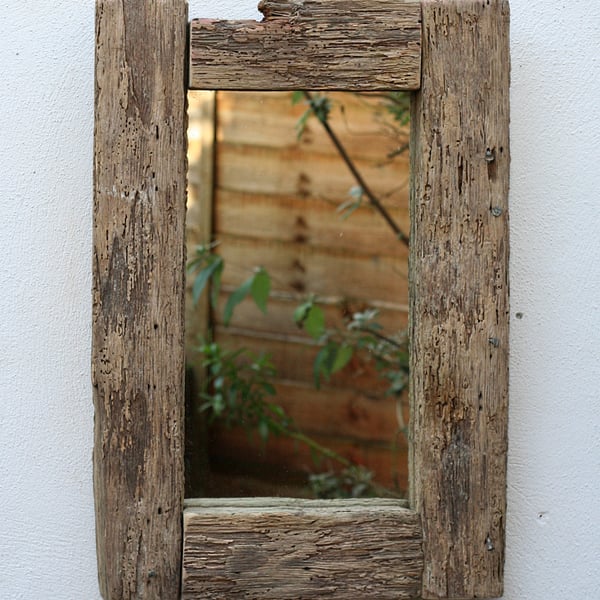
(297, 294)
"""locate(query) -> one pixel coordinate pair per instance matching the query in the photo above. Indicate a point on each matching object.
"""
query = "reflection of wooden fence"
(274, 204)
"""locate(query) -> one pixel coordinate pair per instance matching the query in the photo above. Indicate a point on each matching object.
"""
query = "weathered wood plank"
(302, 551)
(137, 332)
(459, 296)
(310, 44)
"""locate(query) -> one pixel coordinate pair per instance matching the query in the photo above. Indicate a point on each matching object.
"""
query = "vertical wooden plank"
(459, 296)
(139, 214)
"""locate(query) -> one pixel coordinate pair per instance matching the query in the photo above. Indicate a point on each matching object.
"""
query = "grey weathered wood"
(301, 549)
(311, 44)
(459, 296)
(139, 213)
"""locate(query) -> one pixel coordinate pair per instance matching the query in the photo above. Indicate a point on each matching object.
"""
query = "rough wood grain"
(301, 551)
(459, 296)
(310, 44)
(139, 211)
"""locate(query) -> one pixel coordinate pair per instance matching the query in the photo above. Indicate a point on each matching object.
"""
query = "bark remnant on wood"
(459, 296)
(137, 353)
(311, 45)
(301, 549)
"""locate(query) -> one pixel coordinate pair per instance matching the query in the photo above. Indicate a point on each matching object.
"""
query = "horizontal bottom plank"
(300, 549)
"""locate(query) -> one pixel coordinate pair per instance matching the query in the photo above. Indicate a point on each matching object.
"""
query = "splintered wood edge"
(360, 45)
(291, 548)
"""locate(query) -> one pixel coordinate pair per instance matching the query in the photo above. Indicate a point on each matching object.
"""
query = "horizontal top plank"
(354, 45)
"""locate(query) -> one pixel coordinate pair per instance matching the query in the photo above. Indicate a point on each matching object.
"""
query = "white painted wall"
(46, 420)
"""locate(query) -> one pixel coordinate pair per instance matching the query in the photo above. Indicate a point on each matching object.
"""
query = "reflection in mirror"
(296, 308)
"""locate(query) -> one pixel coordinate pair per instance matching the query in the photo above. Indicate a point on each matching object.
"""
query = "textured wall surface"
(46, 420)
(46, 123)
(554, 428)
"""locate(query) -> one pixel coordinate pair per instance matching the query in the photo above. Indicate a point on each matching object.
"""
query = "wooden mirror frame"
(449, 542)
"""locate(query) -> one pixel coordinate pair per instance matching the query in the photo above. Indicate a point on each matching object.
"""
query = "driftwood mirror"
(449, 542)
